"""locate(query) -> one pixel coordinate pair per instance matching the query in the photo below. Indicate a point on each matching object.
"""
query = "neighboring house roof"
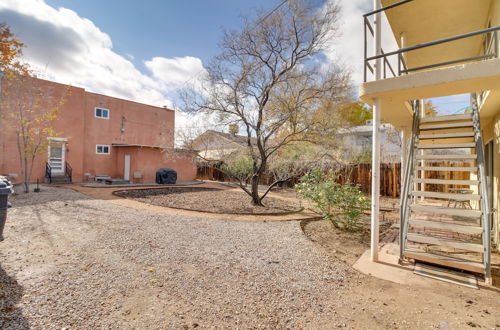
(212, 140)
(214, 145)
(240, 139)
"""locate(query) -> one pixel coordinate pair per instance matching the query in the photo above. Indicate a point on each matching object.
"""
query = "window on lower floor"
(102, 149)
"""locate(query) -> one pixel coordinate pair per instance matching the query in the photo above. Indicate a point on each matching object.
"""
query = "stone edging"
(106, 194)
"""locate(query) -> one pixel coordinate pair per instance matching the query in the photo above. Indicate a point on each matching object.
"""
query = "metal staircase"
(433, 229)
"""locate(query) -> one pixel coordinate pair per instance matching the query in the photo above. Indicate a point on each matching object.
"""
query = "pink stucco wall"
(129, 123)
(149, 160)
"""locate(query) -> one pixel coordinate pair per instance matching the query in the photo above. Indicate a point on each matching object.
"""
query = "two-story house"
(214, 145)
(100, 135)
(357, 142)
(445, 47)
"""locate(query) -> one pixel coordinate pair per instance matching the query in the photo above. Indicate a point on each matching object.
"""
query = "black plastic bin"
(166, 176)
(5, 191)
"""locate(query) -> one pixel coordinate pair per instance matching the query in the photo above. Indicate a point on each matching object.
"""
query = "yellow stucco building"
(445, 47)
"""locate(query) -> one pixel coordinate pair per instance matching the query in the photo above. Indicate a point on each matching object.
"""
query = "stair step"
(446, 135)
(455, 197)
(465, 116)
(58, 178)
(425, 239)
(468, 265)
(445, 126)
(446, 157)
(447, 168)
(446, 145)
(443, 181)
(463, 229)
(446, 210)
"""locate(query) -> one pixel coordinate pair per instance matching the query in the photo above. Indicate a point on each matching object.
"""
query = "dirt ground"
(382, 304)
(210, 200)
(70, 261)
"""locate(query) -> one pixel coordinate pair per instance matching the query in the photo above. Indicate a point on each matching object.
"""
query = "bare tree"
(270, 81)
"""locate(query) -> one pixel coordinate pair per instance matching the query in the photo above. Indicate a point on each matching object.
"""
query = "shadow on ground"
(11, 317)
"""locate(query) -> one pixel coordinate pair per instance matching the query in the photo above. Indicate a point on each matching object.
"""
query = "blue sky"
(172, 28)
(146, 50)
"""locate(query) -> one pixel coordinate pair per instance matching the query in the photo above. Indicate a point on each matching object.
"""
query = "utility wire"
(271, 12)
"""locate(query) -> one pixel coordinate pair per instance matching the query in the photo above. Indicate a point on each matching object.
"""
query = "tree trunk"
(255, 190)
(26, 176)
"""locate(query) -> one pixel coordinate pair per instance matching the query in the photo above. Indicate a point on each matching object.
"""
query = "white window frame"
(102, 145)
(101, 117)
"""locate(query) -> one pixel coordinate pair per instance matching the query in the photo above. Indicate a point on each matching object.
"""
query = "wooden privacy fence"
(205, 172)
(446, 175)
(212, 173)
(361, 174)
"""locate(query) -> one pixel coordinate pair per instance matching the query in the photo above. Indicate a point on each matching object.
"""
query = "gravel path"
(72, 262)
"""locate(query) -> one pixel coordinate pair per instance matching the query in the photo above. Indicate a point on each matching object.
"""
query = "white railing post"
(375, 181)
(404, 151)
(422, 152)
(376, 141)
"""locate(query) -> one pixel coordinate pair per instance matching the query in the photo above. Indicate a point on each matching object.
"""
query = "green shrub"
(239, 165)
(343, 205)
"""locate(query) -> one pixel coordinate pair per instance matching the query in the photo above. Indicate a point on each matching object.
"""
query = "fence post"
(394, 181)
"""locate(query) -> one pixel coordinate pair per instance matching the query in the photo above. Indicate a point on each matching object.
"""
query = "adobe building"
(100, 135)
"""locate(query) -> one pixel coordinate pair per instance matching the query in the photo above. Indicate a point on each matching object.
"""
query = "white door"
(126, 170)
(56, 156)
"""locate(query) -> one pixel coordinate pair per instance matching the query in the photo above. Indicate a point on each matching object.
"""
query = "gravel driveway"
(72, 262)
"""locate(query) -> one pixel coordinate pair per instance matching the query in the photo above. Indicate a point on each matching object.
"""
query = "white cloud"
(348, 48)
(73, 50)
(175, 72)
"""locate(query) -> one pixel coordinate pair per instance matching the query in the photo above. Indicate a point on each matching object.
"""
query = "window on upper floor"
(102, 149)
(102, 113)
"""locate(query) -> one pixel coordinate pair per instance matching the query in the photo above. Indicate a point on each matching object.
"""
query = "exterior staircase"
(444, 228)
(59, 178)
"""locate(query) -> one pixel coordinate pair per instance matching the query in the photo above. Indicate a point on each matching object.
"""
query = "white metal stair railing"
(404, 209)
(483, 190)
(477, 222)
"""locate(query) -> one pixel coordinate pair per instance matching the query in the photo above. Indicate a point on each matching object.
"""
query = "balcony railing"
(68, 171)
(48, 172)
(489, 49)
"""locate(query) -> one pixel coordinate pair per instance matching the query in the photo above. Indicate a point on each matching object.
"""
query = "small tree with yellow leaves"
(28, 106)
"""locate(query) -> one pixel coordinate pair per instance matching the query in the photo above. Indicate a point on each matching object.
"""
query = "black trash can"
(166, 176)
(5, 191)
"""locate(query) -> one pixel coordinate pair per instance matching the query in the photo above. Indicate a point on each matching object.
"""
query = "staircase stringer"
(483, 190)
(409, 173)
